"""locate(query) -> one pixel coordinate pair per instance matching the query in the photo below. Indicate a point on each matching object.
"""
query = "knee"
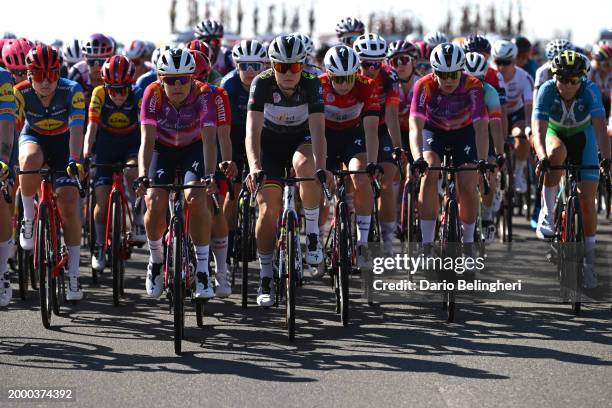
(362, 184)
(67, 203)
(303, 167)
(269, 211)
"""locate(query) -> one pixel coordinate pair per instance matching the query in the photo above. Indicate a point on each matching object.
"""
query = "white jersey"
(519, 90)
(603, 83)
(543, 74)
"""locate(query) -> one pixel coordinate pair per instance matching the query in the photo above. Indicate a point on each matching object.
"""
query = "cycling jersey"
(387, 87)
(215, 77)
(146, 79)
(80, 73)
(492, 104)
(605, 87)
(519, 90)
(346, 111)
(7, 96)
(497, 81)
(113, 119)
(531, 67)
(542, 75)
(224, 62)
(405, 101)
(286, 114)
(67, 109)
(238, 97)
(448, 112)
(222, 104)
(178, 127)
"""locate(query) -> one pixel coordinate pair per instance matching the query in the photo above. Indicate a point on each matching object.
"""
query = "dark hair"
(522, 43)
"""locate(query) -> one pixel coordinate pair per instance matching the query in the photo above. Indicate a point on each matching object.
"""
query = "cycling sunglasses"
(176, 79)
(371, 64)
(423, 66)
(568, 80)
(349, 40)
(93, 61)
(401, 60)
(19, 72)
(117, 90)
(283, 67)
(340, 79)
(448, 75)
(500, 62)
(39, 76)
(245, 66)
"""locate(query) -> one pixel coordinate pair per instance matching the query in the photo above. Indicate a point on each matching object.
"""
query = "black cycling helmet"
(477, 43)
(568, 64)
(522, 43)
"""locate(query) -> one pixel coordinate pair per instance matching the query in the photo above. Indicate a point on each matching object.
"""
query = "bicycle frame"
(117, 187)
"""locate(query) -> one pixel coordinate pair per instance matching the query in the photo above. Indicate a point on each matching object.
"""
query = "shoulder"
(73, 86)
(23, 86)
(98, 91)
(228, 79)
(471, 82)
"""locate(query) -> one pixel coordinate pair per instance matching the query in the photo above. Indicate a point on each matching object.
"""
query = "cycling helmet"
(350, 25)
(287, 49)
(203, 68)
(476, 64)
(370, 46)
(136, 50)
(477, 43)
(72, 51)
(157, 53)
(208, 29)
(249, 51)
(602, 52)
(423, 48)
(568, 63)
(341, 60)
(114, 42)
(522, 44)
(555, 47)
(43, 58)
(149, 48)
(447, 57)
(118, 70)
(199, 45)
(435, 38)
(9, 35)
(15, 54)
(176, 61)
(401, 47)
(504, 50)
(308, 44)
(98, 46)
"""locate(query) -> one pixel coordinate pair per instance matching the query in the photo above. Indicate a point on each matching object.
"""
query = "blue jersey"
(575, 119)
(238, 96)
(145, 79)
(7, 96)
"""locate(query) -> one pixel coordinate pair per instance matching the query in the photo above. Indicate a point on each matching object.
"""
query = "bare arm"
(599, 125)
(481, 128)
(90, 138)
(370, 127)
(254, 126)
(496, 132)
(416, 137)
(147, 142)
(209, 144)
(76, 141)
(316, 123)
(392, 121)
(7, 129)
(223, 134)
(539, 138)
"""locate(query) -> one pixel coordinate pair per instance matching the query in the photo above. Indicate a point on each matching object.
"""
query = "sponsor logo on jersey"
(331, 98)
(78, 100)
(6, 93)
(118, 120)
(276, 97)
(49, 124)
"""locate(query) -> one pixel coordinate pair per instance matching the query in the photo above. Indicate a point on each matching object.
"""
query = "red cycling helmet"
(43, 58)
(15, 54)
(203, 67)
(201, 46)
(118, 71)
(602, 52)
(423, 48)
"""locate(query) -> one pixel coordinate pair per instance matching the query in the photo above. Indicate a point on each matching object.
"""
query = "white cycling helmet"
(136, 49)
(249, 51)
(341, 60)
(447, 57)
(435, 38)
(504, 49)
(555, 47)
(287, 49)
(176, 61)
(370, 47)
(72, 51)
(476, 64)
(158, 53)
(308, 44)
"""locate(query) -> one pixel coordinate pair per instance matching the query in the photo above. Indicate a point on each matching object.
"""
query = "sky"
(149, 19)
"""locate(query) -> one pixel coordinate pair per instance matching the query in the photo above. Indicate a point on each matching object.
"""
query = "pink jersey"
(178, 127)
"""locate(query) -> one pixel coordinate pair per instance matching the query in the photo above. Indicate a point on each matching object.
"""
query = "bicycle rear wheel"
(292, 246)
(344, 264)
(116, 244)
(177, 284)
(42, 257)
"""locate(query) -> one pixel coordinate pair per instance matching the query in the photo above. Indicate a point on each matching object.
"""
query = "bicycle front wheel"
(344, 264)
(292, 245)
(116, 259)
(177, 284)
(43, 266)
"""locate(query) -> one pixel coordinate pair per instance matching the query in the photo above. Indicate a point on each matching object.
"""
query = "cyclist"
(351, 129)
(178, 132)
(14, 55)
(7, 126)
(145, 79)
(601, 74)
(523, 58)
(519, 94)
(249, 57)
(422, 66)
(285, 122)
(136, 53)
(348, 29)
(448, 111)
(211, 32)
(214, 77)
(476, 65)
(113, 127)
(569, 124)
(72, 54)
(51, 113)
(435, 38)
(372, 50)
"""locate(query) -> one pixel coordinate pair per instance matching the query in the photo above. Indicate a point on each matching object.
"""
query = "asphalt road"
(497, 353)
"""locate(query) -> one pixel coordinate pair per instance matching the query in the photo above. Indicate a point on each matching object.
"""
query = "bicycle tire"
(245, 250)
(58, 281)
(41, 253)
(453, 237)
(177, 284)
(92, 232)
(116, 244)
(574, 236)
(344, 264)
(22, 264)
(292, 246)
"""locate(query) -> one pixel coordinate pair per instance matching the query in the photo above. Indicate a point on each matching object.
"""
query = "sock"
(386, 230)
(519, 166)
(156, 251)
(5, 249)
(468, 232)
(350, 201)
(100, 233)
(230, 245)
(312, 220)
(265, 264)
(29, 207)
(219, 250)
(486, 213)
(363, 228)
(202, 252)
(428, 229)
(549, 196)
(74, 255)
